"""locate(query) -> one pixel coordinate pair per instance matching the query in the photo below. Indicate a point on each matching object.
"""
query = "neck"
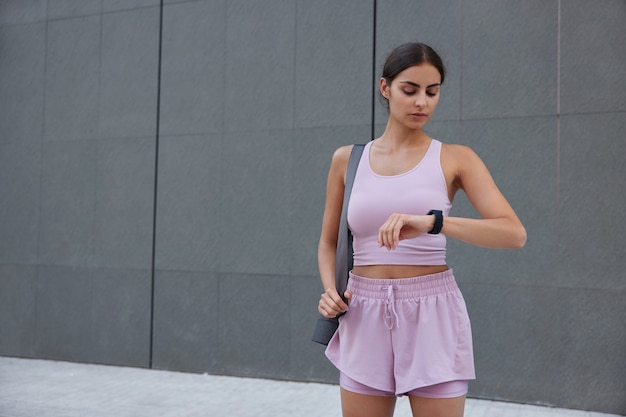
(396, 135)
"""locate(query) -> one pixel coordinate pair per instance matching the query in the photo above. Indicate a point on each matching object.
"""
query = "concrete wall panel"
(254, 325)
(593, 82)
(123, 218)
(67, 213)
(60, 9)
(117, 5)
(22, 59)
(72, 78)
(255, 186)
(591, 247)
(333, 66)
(18, 295)
(188, 203)
(20, 176)
(260, 61)
(128, 73)
(186, 332)
(15, 12)
(509, 58)
(93, 315)
(193, 89)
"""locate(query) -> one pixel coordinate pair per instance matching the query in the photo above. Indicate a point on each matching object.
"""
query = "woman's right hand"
(331, 304)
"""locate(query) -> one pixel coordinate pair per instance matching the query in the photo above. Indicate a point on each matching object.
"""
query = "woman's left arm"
(499, 226)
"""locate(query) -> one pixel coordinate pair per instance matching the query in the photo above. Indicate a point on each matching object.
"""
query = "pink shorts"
(401, 335)
(450, 389)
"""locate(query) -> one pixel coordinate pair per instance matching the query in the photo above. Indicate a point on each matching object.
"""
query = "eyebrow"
(418, 86)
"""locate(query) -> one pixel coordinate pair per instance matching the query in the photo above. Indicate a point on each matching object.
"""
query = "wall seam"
(461, 64)
(96, 152)
(35, 330)
(223, 134)
(156, 183)
(290, 351)
(558, 106)
(93, 152)
(374, 90)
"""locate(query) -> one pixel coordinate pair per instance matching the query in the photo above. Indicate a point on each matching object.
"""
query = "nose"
(420, 99)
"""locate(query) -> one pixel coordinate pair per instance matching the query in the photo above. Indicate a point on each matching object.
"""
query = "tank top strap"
(433, 154)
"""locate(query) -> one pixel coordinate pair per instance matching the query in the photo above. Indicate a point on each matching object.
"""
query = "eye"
(432, 92)
(408, 92)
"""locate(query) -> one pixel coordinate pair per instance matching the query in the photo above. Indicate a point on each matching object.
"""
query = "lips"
(418, 114)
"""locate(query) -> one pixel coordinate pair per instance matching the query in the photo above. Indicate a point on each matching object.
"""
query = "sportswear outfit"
(408, 335)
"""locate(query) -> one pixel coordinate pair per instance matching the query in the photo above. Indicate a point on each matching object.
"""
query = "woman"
(405, 330)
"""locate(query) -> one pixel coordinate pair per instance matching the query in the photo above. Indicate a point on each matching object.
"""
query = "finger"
(337, 303)
(389, 232)
(323, 308)
(325, 313)
(397, 230)
(383, 235)
(381, 238)
(331, 303)
(399, 223)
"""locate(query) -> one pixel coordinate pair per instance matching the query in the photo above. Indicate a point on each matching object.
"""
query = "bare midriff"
(396, 271)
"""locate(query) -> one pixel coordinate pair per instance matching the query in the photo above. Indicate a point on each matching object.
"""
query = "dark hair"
(408, 55)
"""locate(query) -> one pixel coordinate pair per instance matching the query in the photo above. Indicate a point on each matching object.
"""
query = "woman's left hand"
(403, 226)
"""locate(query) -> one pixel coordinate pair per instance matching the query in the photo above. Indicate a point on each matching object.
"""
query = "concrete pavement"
(40, 388)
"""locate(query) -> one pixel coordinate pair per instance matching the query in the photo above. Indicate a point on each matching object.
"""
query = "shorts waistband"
(404, 288)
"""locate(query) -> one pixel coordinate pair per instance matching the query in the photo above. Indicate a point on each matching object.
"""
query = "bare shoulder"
(341, 157)
(458, 152)
(342, 153)
(460, 157)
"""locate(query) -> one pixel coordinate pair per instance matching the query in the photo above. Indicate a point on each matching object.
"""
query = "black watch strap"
(438, 222)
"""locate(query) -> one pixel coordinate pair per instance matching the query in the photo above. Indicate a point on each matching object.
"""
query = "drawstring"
(390, 308)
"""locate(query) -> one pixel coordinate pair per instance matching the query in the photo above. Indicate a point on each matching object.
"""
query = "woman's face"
(413, 95)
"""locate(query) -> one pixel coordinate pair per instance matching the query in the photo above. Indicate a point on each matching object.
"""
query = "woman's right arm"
(331, 303)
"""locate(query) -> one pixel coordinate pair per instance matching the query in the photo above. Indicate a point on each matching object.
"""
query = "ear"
(384, 88)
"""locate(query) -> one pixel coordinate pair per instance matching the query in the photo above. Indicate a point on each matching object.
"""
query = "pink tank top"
(375, 197)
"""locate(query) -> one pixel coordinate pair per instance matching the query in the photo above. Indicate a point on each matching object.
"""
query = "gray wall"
(221, 117)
